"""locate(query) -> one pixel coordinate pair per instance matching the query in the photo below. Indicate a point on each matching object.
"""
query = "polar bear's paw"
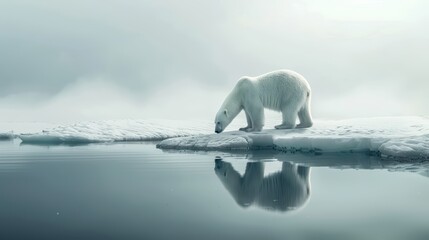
(304, 125)
(245, 129)
(285, 126)
(251, 129)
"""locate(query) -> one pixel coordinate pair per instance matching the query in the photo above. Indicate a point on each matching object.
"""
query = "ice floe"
(400, 137)
(116, 130)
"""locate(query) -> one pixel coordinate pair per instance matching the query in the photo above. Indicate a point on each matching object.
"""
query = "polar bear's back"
(281, 88)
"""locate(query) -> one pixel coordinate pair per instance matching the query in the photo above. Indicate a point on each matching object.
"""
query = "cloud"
(84, 99)
(198, 49)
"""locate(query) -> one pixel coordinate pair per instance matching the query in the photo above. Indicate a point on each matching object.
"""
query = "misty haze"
(214, 119)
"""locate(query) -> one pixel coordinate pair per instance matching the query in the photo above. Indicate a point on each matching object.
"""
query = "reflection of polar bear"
(285, 190)
(285, 91)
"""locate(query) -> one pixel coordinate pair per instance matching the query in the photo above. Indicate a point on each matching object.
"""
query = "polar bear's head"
(222, 120)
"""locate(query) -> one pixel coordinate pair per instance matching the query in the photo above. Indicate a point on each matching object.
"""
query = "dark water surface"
(135, 191)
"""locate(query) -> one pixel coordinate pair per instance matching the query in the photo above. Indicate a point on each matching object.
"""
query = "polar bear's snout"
(218, 128)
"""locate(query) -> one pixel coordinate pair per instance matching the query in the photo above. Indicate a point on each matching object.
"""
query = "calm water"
(135, 191)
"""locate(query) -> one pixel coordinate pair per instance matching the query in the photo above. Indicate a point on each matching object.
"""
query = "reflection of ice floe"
(358, 161)
(7, 135)
(285, 190)
(399, 137)
(118, 130)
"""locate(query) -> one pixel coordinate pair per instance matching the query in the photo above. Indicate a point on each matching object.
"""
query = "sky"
(105, 59)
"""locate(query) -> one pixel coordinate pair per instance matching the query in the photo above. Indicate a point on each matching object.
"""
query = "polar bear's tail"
(304, 114)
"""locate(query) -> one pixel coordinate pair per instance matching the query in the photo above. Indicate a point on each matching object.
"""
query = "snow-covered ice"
(399, 137)
(19, 127)
(408, 147)
(116, 130)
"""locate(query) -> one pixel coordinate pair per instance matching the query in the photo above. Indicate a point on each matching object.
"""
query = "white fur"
(283, 90)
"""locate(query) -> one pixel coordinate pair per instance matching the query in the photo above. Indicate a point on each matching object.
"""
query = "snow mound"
(399, 137)
(117, 130)
(410, 147)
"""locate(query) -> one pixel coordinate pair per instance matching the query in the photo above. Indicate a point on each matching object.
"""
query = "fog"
(93, 59)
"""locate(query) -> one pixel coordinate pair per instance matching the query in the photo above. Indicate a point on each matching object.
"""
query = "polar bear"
(282, 90)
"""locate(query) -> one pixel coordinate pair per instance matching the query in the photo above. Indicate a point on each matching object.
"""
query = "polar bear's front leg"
(253, 106)
(249, 122)
(256, 114)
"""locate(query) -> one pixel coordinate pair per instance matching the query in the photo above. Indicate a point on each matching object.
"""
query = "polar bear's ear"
(225, 112)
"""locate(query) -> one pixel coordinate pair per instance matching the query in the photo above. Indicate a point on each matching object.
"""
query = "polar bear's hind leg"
(290, 113)
(304, 115)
